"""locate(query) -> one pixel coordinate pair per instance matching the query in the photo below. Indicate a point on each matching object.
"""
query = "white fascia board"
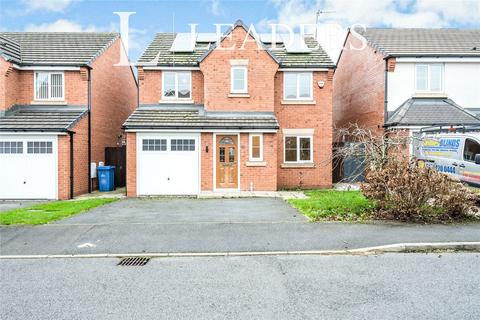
(32, 133)
(204, 130)
(437, 59)
(302, 69)
(47, 68)
(146, 67)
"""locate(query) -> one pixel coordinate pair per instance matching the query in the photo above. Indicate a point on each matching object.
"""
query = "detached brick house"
(222, 117)
(408, 79)
(62, 101)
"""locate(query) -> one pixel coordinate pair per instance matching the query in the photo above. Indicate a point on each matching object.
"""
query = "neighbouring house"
(249, 112)
(62, 101)
(408, 79)
(403, 80)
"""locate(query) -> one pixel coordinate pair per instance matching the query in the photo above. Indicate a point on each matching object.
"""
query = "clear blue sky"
(154, 16)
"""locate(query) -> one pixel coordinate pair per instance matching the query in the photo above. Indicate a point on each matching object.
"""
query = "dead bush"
(405, 192)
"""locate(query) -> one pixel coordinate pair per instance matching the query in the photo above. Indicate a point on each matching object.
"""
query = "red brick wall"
(114, 98)
(260, 178)
(206, 162)
(317, 117)
(261, 71)
(8, 78)
(63, 167)
(131, 164)
(20, 88)
(150, 82)
(80, 161)
(358, 90)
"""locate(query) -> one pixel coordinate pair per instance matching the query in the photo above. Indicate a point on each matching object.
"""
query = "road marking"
(86, 245)
(391, 248)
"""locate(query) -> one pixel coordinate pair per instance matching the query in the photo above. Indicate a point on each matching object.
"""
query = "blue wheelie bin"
(106, 176)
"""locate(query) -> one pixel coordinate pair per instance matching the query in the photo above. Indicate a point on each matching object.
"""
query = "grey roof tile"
(424, 42)
(41, 118)
(158, 54)
(431, 112)
(195, 117)
(10, 49)
(55, 48)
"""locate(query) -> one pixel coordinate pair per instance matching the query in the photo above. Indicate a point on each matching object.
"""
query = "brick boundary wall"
(131, 164)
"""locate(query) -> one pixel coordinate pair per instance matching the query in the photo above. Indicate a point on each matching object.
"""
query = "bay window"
(298, 148)
(177, 85)
(49, 86)
(297, 85)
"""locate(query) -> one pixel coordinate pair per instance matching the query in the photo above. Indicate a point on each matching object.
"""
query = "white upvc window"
(429, 77)
(49, 86)
(297, 85)
(177, 85)
(239, 79)
(298, 149)
(255, 147)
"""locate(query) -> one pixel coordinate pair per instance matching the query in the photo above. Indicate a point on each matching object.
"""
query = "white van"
(457, 154)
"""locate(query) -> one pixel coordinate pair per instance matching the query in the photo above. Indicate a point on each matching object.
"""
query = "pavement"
(390, 286)
(212, 225)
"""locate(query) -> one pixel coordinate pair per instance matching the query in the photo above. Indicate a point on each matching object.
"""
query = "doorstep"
(117, 193)
(285, 195)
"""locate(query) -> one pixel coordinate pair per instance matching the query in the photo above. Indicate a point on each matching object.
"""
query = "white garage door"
(28, 167)
(167, 164)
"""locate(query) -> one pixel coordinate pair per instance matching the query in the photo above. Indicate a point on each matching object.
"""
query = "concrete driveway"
(184, 211)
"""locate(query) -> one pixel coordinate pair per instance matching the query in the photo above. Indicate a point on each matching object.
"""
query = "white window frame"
(298, 148)
(298, 86)
(49, 98)
(245, 80)
(250, 146)
(428, 65)
(176, 85)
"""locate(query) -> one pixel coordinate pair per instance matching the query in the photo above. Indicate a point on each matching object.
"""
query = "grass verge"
(50, 211)
(334, 205)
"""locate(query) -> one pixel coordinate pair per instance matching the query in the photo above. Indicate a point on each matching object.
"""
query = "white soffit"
(295, 44)
(184, 42)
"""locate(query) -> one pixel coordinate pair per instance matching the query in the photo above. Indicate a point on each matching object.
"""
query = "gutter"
(385, 93)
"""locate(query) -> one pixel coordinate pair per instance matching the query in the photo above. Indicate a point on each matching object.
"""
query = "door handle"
(454, 164)
(462, 166)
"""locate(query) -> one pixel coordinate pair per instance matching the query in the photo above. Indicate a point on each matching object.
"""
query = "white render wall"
(461, 82)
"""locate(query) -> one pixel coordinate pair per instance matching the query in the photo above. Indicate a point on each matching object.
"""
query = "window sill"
(238, 95)
(298, 165)
(430, 95)
(176, 101)
(309, 102)
(256, 164)
(49, 102)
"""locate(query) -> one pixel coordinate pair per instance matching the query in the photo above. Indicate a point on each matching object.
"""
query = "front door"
(227, 162)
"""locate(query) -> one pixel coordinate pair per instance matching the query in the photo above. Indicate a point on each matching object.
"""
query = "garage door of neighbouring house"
(167, 164)
(28, 167)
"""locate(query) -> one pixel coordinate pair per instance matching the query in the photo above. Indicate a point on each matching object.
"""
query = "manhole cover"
(133, 261)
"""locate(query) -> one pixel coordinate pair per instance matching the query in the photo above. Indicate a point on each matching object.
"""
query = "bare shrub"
(405, 192)
(400, 189)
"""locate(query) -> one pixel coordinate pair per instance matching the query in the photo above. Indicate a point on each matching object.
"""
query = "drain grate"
(134, 261)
